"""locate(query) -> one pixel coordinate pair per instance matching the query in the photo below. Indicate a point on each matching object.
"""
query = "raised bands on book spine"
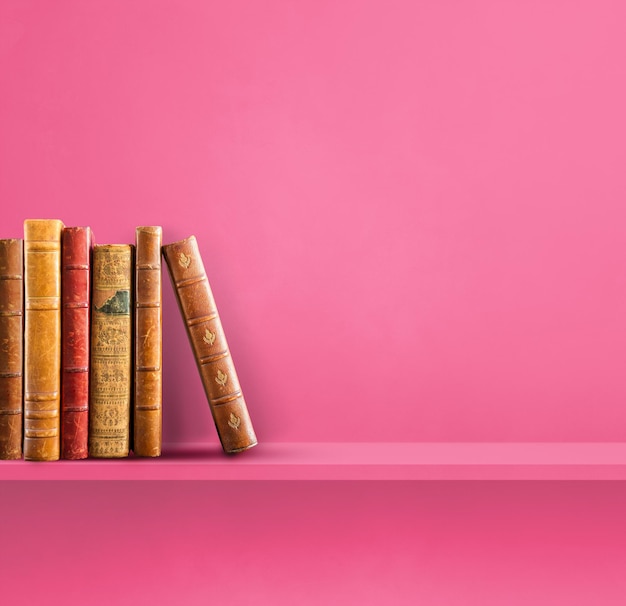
(111, 351)
(75, 344)
(148, 414)
(42, 339)
(11, 347)
(209, 345)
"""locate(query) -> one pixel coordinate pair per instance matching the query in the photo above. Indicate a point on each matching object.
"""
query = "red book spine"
(75, 341)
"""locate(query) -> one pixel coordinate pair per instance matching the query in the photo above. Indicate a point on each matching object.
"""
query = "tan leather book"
(147, 426)
(11, 347)
(42, 339)
(111, 351)
(208, 342)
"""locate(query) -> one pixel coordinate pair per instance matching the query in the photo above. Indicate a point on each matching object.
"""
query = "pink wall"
(411, 212)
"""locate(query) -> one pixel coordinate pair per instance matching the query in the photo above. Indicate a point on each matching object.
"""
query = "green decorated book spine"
(111, 351)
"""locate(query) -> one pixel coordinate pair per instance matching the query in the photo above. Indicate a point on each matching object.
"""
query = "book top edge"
(77, 228)
(43, 230)
(36, 221)
(179, 242)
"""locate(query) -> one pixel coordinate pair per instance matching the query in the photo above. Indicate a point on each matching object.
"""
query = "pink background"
(411, 214)
(315, 543)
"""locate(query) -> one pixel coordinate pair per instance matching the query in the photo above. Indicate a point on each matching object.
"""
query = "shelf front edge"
(347, 461)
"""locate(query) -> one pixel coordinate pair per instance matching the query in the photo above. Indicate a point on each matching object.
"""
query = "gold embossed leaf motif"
(184, 260)
(221, 378)
(209, 337)
(234, 421)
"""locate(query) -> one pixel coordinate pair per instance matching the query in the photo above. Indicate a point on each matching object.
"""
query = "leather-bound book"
(208, 342)
(42, 339)
(76, 295)
(148, 411)
(11, 349)
(111, 351)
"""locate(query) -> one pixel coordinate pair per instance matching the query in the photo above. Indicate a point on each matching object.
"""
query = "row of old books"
(81, 344)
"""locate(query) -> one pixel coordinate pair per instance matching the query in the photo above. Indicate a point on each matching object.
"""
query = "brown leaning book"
(11, 347)
(111, 351)
(208, 342)
(76, 295)
(42, 339)
(147, 426)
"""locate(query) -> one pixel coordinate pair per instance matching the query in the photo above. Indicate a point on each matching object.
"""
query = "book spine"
(148, 343)
(42, 339)
(111, 352)
(11, 347)
(76, 290)
(208, 342)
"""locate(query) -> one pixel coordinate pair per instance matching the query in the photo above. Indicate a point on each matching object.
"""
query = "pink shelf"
(348, 461)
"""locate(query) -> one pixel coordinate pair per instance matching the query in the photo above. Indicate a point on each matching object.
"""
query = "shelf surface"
(348, 461)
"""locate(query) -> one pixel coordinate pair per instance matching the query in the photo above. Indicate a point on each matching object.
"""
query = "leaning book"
(209, 346)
